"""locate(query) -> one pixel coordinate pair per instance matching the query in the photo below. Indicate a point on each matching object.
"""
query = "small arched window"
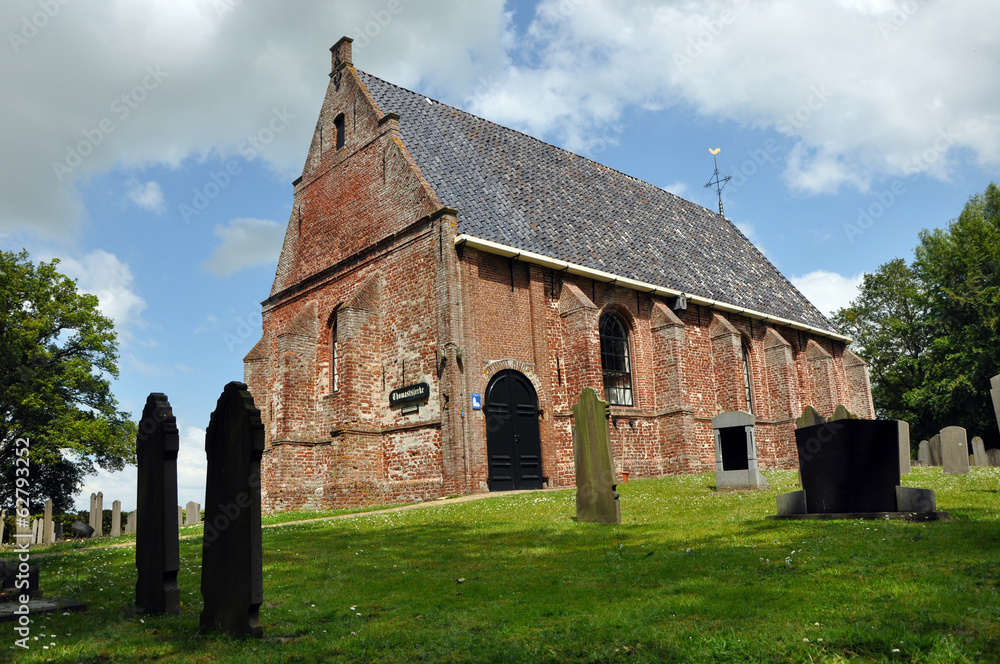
(747, 379)
(338, 124)
(615, 361)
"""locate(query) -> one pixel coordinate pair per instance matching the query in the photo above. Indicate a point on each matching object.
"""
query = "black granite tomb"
(157, 550)
(232, 578)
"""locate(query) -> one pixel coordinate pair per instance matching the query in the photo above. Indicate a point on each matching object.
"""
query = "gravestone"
(954, 451)
(130, 522)
(841, 413)
(82, 529)
(935, 449)
(979, 452)
(192, 514)
(232, 575)
(116, 518)
(157, 550)
(97, 514)
(810, 417)
(180, 516)
(993, 455)
(904, 447)
(596, 497)
(924, 453)
(735, 452)
(3, 523)
(48, 531)
(36, 531)
(91, 521)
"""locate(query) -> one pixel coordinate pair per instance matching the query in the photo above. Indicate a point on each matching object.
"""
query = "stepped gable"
(513, 189)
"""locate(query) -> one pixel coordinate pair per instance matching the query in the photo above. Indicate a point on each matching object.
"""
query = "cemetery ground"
(690, 575)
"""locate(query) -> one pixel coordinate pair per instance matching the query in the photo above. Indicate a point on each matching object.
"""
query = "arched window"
(338, 124)
(747, 379)
(334, 370)
(615, 361)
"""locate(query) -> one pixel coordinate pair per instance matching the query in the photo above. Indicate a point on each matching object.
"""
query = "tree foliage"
(57, 357)
(930, 331)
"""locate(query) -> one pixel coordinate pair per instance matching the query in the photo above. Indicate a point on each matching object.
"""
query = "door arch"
(513, 444)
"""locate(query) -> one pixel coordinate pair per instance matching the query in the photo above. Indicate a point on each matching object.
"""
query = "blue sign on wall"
(477, 401)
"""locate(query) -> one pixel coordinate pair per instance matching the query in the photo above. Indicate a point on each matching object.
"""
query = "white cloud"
(829, 291)
(119, 83)
(102, 274)
(245, 243)
(866, 89)
(676, 188)
(148, 196)
(191, 469)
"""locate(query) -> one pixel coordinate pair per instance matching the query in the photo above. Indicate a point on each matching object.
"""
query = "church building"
(448, 286)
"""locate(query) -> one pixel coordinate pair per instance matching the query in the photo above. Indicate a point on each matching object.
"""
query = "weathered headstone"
(994, 456)
(810, 417)
(116, 518)
(596, 498)
(36, 531)
(954, 451)
(995, 393)
(979, 452)
(3, 522)
(735, 452)
(180, 516)
(924, 453)
(157, 550)
(904, 447)
(99, 517)
(232, 575)
(92, 521)
(130, 522)
(841, 413)
(935, 449)
(48, 531)
(192, 514)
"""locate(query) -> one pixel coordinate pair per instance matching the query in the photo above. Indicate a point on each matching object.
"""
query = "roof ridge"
(538, 140)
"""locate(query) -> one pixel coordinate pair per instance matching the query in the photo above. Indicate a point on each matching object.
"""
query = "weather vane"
(718, 182)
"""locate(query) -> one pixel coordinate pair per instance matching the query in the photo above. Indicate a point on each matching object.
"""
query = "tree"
(930, 331)
(57, 355)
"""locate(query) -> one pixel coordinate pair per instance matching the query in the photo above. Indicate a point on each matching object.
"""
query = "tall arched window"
(615, 360)
(747, 379)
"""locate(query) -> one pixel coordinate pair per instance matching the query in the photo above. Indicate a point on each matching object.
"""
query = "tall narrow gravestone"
(116, 518)
(954, 451)
(232, 575)
(157, 550)
(596, 498)
(995, 393)
(979, 452)
(904, 447)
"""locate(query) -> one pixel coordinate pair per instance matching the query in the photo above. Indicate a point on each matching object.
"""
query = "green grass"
(690, 575)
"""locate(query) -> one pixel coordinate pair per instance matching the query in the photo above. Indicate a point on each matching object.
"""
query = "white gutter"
(572, 268)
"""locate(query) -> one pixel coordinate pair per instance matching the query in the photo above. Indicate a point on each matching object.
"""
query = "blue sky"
(151, 145)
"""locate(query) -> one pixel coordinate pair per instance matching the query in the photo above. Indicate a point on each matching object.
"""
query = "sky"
(150, 145)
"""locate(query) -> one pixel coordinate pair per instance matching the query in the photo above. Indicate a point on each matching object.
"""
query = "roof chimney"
(341, 54)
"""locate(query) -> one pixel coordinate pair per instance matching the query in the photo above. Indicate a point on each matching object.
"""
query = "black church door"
(512, 441)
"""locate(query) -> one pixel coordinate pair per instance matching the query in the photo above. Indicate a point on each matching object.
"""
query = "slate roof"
(517, 190)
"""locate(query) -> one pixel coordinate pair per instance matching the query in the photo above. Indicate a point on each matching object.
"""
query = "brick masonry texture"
(370, 259)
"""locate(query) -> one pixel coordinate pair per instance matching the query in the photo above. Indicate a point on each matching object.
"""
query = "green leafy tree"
(930, 331)
(57, 356)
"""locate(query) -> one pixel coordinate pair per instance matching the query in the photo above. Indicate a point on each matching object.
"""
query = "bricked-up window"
(615, 361)
(334, 371)
(338, 123)
(747, 379)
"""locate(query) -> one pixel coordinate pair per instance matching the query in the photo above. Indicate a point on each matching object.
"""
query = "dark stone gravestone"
(157, 550)
(849, 465)
(736, 452)
(15, 573)
(232, 577)
(596, 498)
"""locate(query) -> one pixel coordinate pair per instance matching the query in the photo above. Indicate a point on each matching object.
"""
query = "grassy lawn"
(690, 575)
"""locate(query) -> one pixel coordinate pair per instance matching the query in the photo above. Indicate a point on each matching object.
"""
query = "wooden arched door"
(513, 445)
